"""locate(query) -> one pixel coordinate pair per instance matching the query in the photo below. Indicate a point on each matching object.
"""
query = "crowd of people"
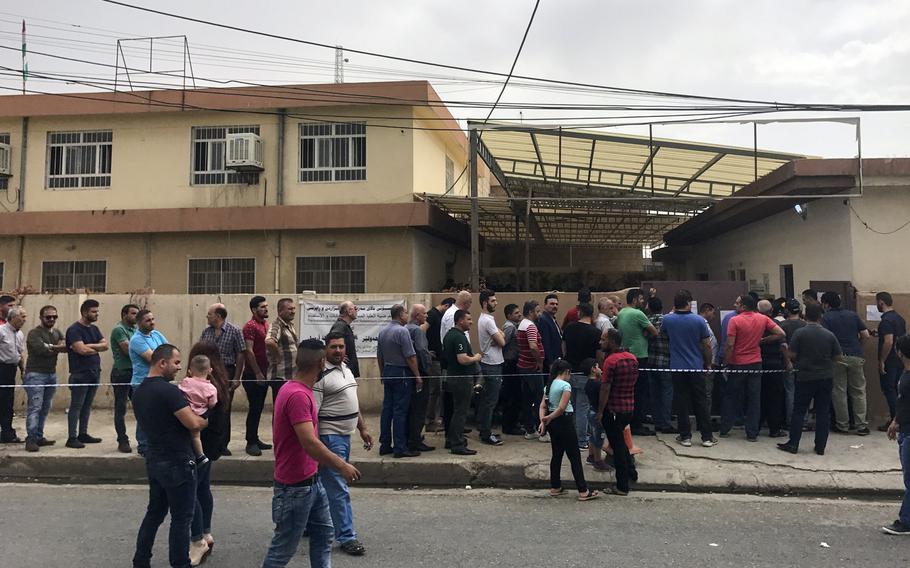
(590, 384)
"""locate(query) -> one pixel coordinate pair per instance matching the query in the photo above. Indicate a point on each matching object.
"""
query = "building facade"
(117, 192)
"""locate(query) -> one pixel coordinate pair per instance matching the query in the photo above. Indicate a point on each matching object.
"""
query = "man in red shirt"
(299, 501)
(530, 367)
(254, 380)
(584, 297)
(617, 400)
(742, 356)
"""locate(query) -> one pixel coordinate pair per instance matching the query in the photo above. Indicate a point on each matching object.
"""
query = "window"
(731, 275)
(333, 152)
(4, 181)
(222, 276)
(59, 276)
(209, 151)
(331, 274)
(79, 159)
(742, 274)
(701, 276)
(450, 174)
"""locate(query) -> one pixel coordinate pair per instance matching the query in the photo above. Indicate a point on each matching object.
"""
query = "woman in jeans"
(213, 441)
(557, 418)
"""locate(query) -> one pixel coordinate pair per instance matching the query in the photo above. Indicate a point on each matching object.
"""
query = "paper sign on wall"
(317, 318)
(694, 307)
(872, 313)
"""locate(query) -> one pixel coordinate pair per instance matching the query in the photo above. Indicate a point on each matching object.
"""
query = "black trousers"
(458, 391)
(510, 397)
(255, 394)
(614, 423)
(642, 397)
(690, 395)
(7, 395)
(564, 442)
(231, 369)
(417, 413)
(773, 397)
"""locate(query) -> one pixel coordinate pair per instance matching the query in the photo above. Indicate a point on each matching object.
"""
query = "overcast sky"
(793, 51)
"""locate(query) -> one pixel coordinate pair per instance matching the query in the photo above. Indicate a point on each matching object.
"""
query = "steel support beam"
(699, 173)
(475, 214)
(543, 172)
(644, 168)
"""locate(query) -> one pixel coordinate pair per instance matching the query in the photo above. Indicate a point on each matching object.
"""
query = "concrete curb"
(411, 472)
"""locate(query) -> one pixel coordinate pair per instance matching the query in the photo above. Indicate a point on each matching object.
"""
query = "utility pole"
(339, 64)
(24, 62)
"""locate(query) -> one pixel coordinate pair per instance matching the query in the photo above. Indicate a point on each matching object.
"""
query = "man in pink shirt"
(742, 357)
(299, 502)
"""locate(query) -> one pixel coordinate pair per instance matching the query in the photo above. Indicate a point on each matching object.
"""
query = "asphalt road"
(95, 526)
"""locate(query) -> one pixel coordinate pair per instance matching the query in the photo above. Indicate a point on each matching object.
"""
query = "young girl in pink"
(201, 394)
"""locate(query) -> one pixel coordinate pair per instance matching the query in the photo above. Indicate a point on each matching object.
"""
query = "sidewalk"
(853, 465)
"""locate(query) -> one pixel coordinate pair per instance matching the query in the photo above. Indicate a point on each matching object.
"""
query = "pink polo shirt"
(294, 405)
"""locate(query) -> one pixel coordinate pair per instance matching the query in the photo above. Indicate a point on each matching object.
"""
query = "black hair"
(748, 302)
(529, 307)
(614, 335)
(142, 314)
(587, 365)
(6, 298)
(550, 296)
(461, 314)
(585, 310)
(885, 298)
(903, 345)
(255, 301)
(831, 298)
(682, 299)
(810, 293)
(126, 309)
(506, 311)
(633, 294)
(448, 301)
(163, 351)
(332, 335)
(558, 367)
(396, 311)
(87, 305)
(584, 296)
(705, 306)
(44, 309)
(655, 305)
(309, 353)
(485, 296)
(813, 312)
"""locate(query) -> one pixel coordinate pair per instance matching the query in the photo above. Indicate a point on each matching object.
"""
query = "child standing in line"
(202, 396)
(557, 417)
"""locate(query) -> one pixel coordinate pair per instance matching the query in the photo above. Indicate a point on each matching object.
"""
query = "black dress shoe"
(513, 432)
(421, 447)
(253, 449)
(31, 445)
(448, 446)
(467, 430)
(407, 454)
(789, 448)
(45, 442)
(464, 452)
(820, 451)
(642, 432)
(263, 446)
(11, 440)
(226, 452)
(778, 434)
(74, 443)
(87, 439)
(836, 430)
(384, 451)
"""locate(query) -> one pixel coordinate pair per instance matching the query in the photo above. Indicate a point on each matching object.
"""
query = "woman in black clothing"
(213, 440)
(557, 418)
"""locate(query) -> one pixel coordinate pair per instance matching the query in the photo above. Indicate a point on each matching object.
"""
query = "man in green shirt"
(462, 366)
(44, 343)
(635, 328)
(122, 371)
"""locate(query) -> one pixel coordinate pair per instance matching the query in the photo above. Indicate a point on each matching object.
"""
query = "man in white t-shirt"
(606, 310)
(463, 301)
(492, 341)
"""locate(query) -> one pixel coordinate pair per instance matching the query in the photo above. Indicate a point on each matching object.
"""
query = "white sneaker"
(545, 438)
(709, 443)
(684, 442)
(530, 436)
(198, 551)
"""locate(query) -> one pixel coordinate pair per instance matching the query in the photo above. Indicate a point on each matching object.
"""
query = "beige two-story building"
(234, 190)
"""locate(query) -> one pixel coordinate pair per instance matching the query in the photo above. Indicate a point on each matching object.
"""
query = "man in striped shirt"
(530, 367)
(281, 342)
(339, 416)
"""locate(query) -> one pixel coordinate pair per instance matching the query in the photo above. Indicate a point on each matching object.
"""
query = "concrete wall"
(397, 260)
(880, 261)
(819, 248)
(152, 160)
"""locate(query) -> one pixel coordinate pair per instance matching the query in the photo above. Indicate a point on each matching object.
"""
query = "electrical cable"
(869, 227)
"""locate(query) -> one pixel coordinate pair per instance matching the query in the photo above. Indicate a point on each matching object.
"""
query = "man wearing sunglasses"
(44, 343)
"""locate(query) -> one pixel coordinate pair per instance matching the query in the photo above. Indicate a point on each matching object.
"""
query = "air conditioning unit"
(4, 160)
(244, 152)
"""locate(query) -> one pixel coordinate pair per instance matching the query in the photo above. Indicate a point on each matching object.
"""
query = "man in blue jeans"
(899, 429)
(167, 420)
(84, 342)
(339, 416)
(299, 501)
(44, 343)
(398, 360)
(142, 345)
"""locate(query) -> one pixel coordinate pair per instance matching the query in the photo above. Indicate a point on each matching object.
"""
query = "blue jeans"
(202, 513)
(888, 382)
(295, 509)
(661, 383)
(141, 439)
(598, 436)
(903, 445)
(737, 387)
(487, 400)
(581, 405)
(40, 388)
(81, 398)
(531, 394)
(336, 488)
(172, 487)
(393, 422)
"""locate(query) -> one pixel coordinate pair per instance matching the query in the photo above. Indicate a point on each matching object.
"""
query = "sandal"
(557, 492)
(588, 496)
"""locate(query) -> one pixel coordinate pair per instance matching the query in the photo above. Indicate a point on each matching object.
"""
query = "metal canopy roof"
(598, 189)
